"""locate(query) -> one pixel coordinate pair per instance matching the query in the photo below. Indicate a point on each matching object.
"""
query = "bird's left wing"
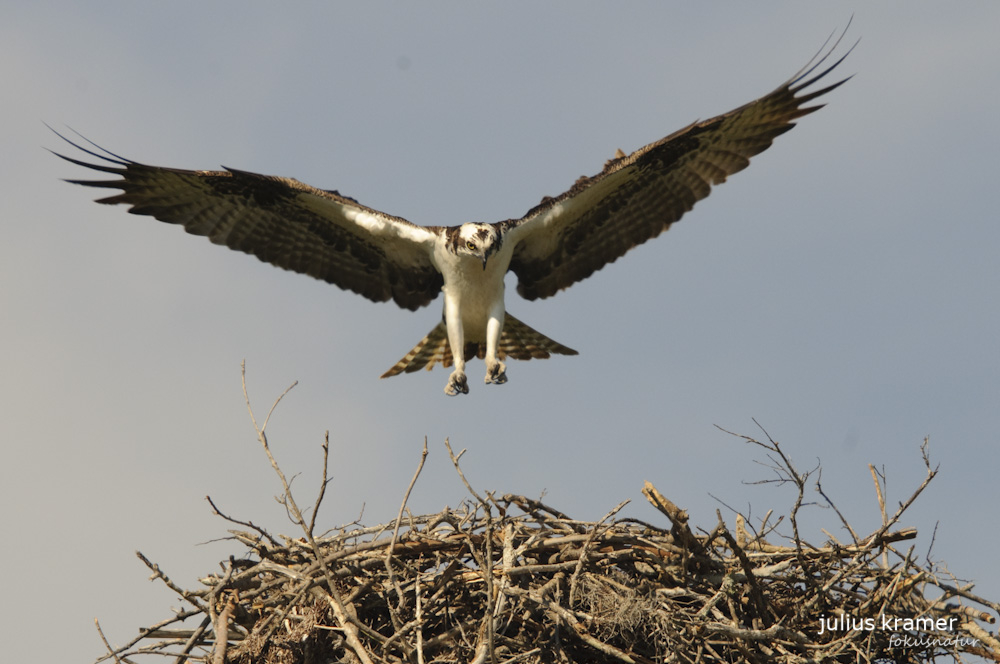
(636, 197)
(283, 222)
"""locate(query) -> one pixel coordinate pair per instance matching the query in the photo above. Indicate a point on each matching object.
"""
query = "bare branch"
(509, 579)
(322, 485)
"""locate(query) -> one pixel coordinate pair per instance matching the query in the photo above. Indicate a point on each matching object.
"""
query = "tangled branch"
(509, 579)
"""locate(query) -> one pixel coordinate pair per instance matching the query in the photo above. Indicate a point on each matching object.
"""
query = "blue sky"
(842, 291)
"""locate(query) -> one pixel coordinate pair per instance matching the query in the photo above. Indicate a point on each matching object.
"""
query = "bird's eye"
(471, 246)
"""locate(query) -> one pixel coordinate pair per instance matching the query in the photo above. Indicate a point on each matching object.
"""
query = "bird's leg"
(496, 371)
(457, 382)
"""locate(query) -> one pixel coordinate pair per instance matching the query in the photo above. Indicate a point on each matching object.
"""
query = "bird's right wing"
(283, 222)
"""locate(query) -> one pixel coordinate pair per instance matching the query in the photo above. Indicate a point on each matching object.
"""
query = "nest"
(509, 579)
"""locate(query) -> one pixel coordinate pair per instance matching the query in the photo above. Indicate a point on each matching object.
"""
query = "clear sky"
(843, 290)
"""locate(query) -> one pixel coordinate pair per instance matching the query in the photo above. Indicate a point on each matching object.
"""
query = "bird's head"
(478, 241)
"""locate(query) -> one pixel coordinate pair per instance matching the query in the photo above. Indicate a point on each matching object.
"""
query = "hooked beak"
(484, 262)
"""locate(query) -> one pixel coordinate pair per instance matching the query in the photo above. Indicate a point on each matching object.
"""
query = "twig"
(488, 575)
(400, 596)
(748, 570)
(336, 602)
(402, 506)
(193, 640)
(247, 524)
(222, 632)
(111, 651)
(843, 521)
(322, 484)
(158, 574)
(594, 534)
(419, 608)
(458, 468)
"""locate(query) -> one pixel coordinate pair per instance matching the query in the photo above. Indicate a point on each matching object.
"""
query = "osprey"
(560, 241)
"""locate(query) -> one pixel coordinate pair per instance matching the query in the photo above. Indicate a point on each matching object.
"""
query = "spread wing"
(636, 197)
(283, 222)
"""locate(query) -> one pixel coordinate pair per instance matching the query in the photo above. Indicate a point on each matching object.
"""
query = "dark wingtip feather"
(106, 156)
(806, 98)
(110, 163)
(806, 77)
(108, 184)
(117, 170)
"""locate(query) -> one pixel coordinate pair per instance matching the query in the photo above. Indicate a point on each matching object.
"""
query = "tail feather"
(429, 351)
(522, 342)
(517, 341)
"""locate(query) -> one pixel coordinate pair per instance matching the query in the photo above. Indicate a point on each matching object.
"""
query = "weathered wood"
(512, 580)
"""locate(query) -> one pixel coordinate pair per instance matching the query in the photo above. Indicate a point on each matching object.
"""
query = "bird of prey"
(560, 241)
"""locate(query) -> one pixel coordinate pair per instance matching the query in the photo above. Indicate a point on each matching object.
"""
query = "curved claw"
(457, 384)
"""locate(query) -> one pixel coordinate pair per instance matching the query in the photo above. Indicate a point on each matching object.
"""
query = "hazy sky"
(843, 290)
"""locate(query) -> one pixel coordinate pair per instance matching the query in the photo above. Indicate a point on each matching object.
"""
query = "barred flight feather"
(518, 341)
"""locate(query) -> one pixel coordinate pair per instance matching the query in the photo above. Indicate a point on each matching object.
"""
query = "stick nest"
(510, 579)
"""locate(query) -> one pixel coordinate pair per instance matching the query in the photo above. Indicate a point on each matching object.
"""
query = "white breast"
(475, 291)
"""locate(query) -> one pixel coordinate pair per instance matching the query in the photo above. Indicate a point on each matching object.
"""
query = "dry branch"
(509, 579)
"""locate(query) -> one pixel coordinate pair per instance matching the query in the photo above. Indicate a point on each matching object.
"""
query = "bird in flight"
(559, 242)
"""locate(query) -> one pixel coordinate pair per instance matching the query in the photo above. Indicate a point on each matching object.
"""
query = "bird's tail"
(517, 341)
